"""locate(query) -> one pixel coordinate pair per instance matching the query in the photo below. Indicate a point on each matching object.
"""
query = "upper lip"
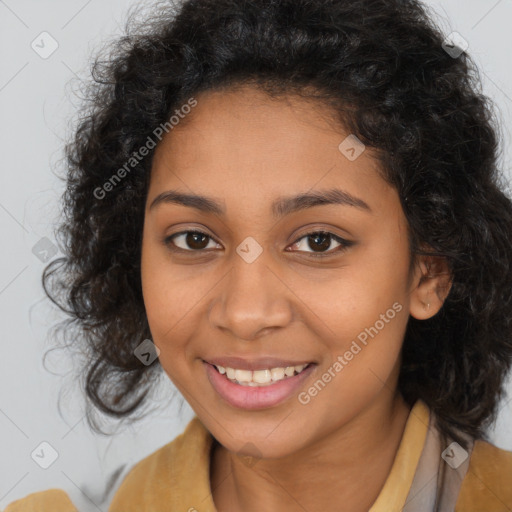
(261, 363)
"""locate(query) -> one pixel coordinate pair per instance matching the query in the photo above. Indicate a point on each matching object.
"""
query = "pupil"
(192, 240)
(323, 240)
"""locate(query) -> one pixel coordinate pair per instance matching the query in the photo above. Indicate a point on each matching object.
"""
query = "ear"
(430, 286)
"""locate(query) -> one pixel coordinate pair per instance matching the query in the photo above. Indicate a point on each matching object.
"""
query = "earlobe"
(430, 286)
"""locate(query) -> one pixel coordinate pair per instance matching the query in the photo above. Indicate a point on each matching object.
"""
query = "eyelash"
(344, 244)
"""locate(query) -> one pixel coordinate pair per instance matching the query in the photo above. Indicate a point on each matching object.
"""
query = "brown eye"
(319, 243)
(190, 240)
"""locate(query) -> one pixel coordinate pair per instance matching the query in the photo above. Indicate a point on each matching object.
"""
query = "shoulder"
(488, 481)
(55, 500)
(181, 464)
(146, 475)
(151, 483)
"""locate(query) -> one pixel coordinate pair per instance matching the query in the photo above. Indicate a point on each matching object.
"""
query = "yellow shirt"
(175, 478)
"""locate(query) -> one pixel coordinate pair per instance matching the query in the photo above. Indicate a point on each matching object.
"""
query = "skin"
(246, 150)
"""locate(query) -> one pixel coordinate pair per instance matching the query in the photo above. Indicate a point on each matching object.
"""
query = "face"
(252, 278)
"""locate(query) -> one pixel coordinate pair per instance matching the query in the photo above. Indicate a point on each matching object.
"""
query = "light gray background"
(36, 105)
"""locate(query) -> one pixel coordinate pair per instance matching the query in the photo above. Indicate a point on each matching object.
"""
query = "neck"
(344, 471)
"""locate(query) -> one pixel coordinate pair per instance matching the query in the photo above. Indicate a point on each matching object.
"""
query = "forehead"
(242, 143)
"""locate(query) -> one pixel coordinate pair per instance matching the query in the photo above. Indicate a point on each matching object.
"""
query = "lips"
(261, 396)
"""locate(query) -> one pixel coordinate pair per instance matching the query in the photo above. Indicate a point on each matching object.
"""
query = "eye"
(190, 241)
(319, 242)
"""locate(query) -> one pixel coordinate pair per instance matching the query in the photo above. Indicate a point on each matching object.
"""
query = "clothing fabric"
(429, 474)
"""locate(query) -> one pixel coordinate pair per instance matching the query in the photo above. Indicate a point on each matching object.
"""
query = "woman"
(296, 206)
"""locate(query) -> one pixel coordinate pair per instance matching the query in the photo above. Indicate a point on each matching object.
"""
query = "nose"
(251, 301)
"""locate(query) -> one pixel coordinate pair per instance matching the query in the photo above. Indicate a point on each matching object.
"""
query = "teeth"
(277, 373)
(243, 375)
(260, 377)
(289, 370)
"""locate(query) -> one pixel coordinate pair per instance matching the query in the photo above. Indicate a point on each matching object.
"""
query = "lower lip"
(255, 397)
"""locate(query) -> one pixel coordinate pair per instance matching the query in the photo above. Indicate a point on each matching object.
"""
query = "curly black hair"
(382, 68)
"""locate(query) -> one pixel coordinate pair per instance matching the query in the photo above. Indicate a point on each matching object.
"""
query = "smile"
(257, 389)
(264, 377)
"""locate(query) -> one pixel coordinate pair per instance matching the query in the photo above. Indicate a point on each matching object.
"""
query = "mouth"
(265, 377)
(257, 389)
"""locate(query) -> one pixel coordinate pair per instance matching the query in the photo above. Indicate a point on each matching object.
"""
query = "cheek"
(374, 313)
(171, 298)
(355, 295)
(367, 318)
(365, 311)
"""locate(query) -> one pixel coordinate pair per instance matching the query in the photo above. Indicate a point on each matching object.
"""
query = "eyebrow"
(280, 207)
